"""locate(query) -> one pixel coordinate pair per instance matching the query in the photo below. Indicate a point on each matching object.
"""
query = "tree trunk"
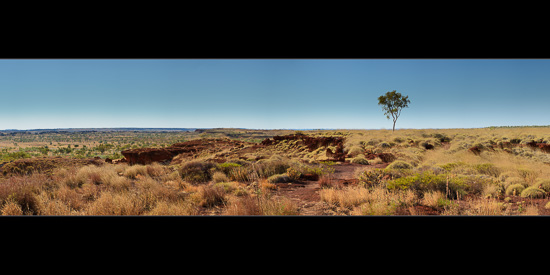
(393, 130)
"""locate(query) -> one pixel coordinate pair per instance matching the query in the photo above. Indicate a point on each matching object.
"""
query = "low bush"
(399, 164)
(533, 192)
(433, 199)
(514, 189)
(211, 195)
(360, 160)
(196, 171)
(228, 166)
(372, 178)
(543, 184)
(293, 173)
(428, 181)
(279, 178)
(355, 150)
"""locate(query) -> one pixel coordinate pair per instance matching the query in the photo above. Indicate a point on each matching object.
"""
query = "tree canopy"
(392, 103)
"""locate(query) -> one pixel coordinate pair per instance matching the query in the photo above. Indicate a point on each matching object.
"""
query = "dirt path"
(306, 193)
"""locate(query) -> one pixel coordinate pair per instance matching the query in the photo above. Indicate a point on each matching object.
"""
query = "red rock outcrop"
(184, 150)
(338, 154)
(312, 143)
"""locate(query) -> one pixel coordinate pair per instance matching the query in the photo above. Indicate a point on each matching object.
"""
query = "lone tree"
(392, 103)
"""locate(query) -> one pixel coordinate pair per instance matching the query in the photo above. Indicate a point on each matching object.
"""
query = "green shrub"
(229, 164)
(399, 164)
(428, 181)
(514, 189)
(533, 192)
(14, 156)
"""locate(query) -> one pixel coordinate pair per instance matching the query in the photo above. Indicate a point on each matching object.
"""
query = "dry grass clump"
(219, 177)
(113, 204)
(363, 201)
(433, 198)
(355, 151)
(97, 190)
(491, 190)
(210, 196)
(382, 202)
(52, 206)
(11, 208)
(133, 171)
(163, 208)
(346, 198)
(21, 190)
(485, 207)
(261, 205)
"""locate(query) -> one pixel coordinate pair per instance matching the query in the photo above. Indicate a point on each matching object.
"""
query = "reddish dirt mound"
(313, 143)
(185, 150)
(539, 145)
(476, 150)
(43, 165)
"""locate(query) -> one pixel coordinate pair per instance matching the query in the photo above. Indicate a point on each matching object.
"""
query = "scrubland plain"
(484, 171)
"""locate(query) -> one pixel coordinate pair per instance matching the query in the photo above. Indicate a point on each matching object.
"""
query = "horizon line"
(295, 129)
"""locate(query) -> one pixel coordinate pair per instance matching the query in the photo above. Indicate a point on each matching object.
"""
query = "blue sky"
(271, 93)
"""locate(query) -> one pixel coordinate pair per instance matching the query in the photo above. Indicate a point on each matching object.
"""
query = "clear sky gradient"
(271, 93)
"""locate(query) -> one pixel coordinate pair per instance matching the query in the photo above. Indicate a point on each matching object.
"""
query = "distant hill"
(102, 130)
